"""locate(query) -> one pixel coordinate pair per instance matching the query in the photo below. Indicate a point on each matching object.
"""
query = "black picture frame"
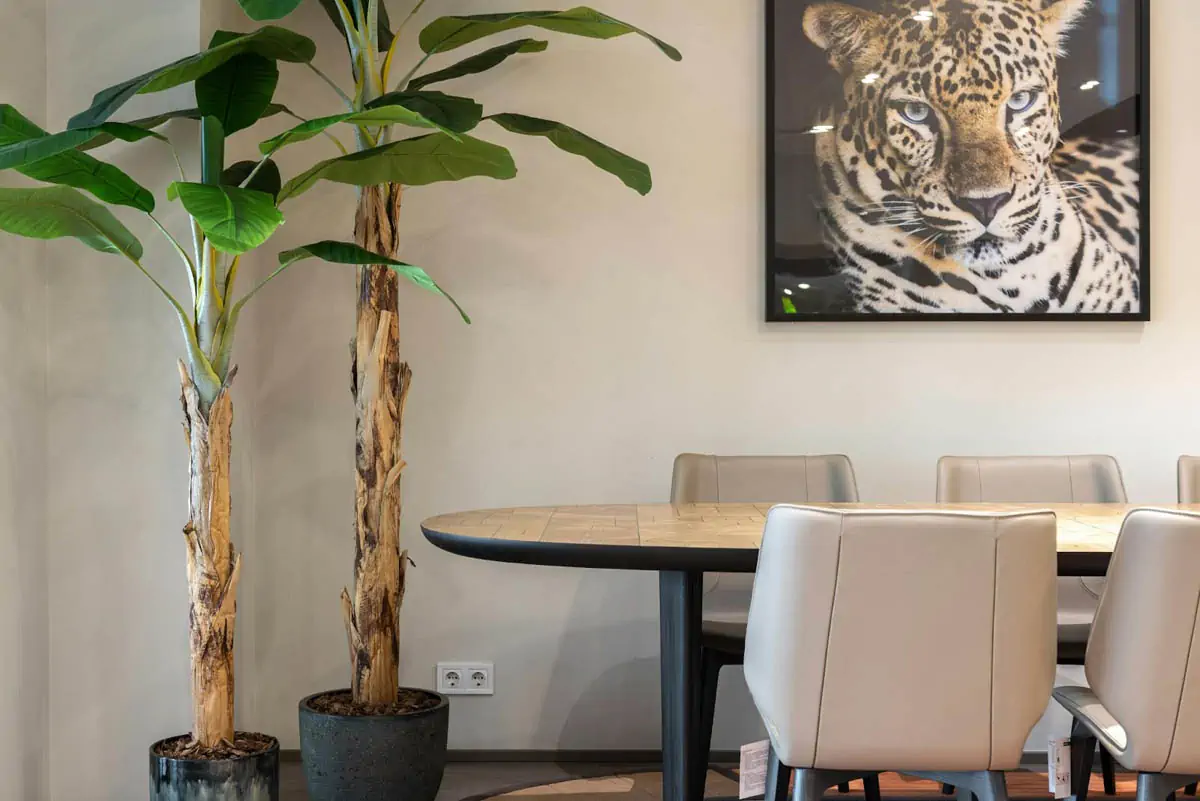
(772, 310)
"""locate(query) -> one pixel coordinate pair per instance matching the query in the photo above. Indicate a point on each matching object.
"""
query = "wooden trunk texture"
(212, 563)
(380, 383)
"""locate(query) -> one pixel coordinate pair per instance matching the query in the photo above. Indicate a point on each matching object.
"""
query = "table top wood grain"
(655, 536)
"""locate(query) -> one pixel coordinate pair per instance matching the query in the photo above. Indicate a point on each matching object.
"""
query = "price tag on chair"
(1058, 764)
(752, 772)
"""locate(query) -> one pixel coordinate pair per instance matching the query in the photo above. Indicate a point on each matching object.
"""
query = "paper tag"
(1058, 762)
(752, 774)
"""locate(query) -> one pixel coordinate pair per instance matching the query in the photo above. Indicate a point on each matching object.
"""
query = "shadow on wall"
(617, 708)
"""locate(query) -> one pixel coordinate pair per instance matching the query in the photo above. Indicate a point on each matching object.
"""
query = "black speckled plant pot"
(250, 778)
(374, 757)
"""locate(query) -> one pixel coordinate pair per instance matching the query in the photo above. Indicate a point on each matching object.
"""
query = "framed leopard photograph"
(957, 160)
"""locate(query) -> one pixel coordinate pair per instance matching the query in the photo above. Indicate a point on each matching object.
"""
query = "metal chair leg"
(1109, 769)
(1083, 751)
(779, 776)
(871, 787)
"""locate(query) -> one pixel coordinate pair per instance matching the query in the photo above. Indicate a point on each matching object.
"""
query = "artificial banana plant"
(232, 210)
(388, 73)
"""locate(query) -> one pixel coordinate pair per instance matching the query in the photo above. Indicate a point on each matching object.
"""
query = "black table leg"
(680, 595)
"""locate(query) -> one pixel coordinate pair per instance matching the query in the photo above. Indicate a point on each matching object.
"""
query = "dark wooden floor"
(545, 781)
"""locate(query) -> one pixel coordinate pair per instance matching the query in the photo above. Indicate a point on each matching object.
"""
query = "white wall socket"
(466, 678)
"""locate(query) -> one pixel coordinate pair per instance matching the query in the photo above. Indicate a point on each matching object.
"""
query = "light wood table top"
(723, 536)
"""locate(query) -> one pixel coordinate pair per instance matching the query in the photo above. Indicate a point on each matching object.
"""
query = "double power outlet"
(466, 678)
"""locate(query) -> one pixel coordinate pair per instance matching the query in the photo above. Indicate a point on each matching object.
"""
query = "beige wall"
(610, 333)
(24, 724)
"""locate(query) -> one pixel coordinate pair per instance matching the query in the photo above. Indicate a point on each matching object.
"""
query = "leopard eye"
(916, 112)
(1022, 101)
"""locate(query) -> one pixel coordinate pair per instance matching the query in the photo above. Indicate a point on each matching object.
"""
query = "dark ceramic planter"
(374, 758)
(250, 778)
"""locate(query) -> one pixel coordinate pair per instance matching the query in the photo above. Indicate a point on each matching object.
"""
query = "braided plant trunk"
(212, 563)
(379, 383)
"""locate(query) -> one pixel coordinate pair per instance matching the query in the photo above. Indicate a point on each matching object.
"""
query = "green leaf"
(260, 10)
(53, 212)
(479, 63)
(633, 173)
(376, 115)
(450, 112)
(447, 33)
(385, 25)
(267, 179)
(160, 119)
(346, 253)
(240, 90)
(415, 162)
(271, 42)
(212, 150)
(72, 168)
(234, 220)
(28, 151)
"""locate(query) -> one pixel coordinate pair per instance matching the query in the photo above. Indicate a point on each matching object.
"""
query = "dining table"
(682, 543)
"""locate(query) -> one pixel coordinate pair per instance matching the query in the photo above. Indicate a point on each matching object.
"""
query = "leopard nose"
(983, 209)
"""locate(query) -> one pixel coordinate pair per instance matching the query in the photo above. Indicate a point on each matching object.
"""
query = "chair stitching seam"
(992, 681)
(837, 580)
(1183, 683)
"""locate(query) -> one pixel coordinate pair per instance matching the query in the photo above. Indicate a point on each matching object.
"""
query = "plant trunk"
(379, 383)
(212, 563)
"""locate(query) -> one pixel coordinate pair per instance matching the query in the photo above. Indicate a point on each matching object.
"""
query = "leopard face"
(951, 114)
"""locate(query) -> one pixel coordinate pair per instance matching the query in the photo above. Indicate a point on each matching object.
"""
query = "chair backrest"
(1143, 657)
(705, 478)
(902, 640)
(1030, 479)
(1189, 479)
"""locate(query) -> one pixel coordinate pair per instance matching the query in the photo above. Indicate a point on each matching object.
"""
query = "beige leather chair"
(706, 478)
(1143, 664)
(1041, 479)
(1189, 479)
(845, 648)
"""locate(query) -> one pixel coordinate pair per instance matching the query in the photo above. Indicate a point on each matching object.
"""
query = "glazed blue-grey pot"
(374, 757)
(249, 778)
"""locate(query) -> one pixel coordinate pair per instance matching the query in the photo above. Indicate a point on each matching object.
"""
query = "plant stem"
(345, 97)
(408, 77)
(191, 267)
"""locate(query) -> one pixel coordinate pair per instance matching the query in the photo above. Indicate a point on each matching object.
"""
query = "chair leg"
(1109, 769)
(871, 787)
(844, 787)
(1083, 752)
(1190, 789)
(984, 785)
(1160, 786)
(710, 675)
(947, 789)
(779, 776)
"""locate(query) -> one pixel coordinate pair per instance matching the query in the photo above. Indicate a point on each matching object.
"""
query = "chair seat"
(1085, 707)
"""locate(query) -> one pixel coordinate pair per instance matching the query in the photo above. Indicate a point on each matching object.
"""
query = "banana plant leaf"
(633, 173)
(53, 212)
(479, 63)
(449, 112)
(414, 162)
(376, 115)
(234, 220)
(72, 168)
(262, 10)
(102, 139)
(346, 253)
(239, 91)
(28, 151)
(267, 179)
(385, 24)
(447, 33)
(271, 42)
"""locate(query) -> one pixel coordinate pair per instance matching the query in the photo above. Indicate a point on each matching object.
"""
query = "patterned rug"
(722, 785)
